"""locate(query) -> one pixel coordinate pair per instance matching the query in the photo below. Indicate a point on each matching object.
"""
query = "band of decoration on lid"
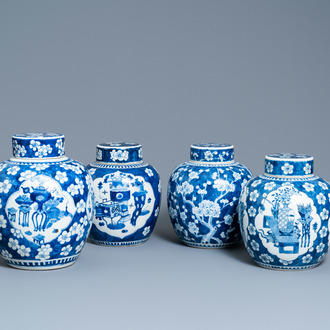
(212, 152)
(38, 145)
(289, 165)
(119, 153)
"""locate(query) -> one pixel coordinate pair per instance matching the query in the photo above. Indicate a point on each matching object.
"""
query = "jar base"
(209, 246)
(124, 243)
(286, 268)
(42, 264)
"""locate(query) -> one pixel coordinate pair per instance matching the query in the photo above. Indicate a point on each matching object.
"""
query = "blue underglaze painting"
(46, 209)
(285, 219)
(127, 197)
(203, 196)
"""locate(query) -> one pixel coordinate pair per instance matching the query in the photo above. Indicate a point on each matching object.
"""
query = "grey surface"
(167, 74)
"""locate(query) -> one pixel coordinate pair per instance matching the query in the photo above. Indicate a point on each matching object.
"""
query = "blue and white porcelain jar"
(284, 214)
(203, 196)
(46, 204)
(127, 194)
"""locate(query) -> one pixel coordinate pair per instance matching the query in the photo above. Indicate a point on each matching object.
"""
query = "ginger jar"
(284, 214)
(203, 196)
(46, 204)
(127, 195)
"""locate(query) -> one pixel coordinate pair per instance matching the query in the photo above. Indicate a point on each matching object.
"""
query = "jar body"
(285, 221)
(46, 211)
(202, 202)
(127, 203)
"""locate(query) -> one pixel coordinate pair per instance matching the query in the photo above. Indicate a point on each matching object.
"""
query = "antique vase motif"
(284, 214)
(203, 196)
(46, 204)
(127, 194)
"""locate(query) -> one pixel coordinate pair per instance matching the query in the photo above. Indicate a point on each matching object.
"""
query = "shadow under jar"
(127, 195)
(284, 214)
(46, 204)
(203, 195)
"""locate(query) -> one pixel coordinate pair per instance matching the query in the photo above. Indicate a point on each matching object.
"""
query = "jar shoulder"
(225, 171)
(12, 169)
(313, 187)
(144, 170)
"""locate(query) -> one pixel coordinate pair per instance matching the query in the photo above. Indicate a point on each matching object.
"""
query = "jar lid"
(119, 153)
(212, 152)
(289, 165)
(38, 145)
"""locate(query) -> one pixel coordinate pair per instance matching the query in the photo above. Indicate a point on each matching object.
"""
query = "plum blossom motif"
(220, 184)
(252, 211)
(13, 170)
(269, 168)
(80, 246)
(323, 232)
(5, 186)
(306, 259)
(61, 177)
(228, 219)
(251, 229)
(16, 232)
(75, 228)
(323, 185)
(66, 250)
(39, 167)
(81, 206)
(60, 147)
(18, 150)
(13, 243)
(254, 195)
(320, 247)
(99, 154)
(266, 258)
(285, 262)
(207, 209)
(24, 251)
(27, 175)
(255, 245)
(34, 145)
(308, 186)
(120, 155)
(287, 168)
(193, 228)
(193, 175)
(44, 252)
(208, 155)
(149, 172)
(307, 169)
(3, 221)
(185, 188)
(74, 166)
(65, 237)
(178, 227)
(270, 185)
(324, 214)
(73, 189)
(321, 199)
(146, 231)
(6, 254)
